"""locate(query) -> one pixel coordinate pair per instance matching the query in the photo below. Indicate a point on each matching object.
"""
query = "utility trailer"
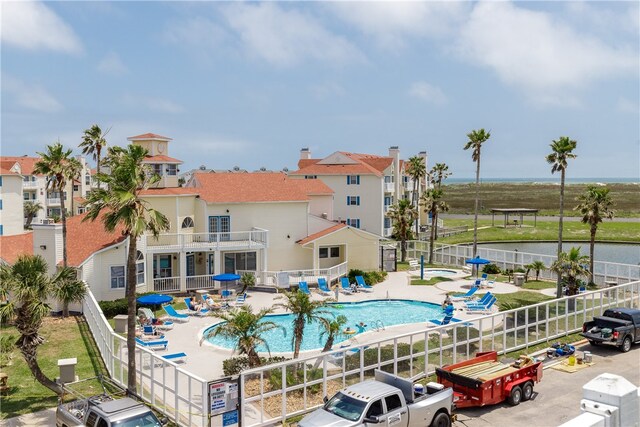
(484, 380)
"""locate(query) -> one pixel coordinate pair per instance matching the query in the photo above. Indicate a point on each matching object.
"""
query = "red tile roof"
(13, 246)
(229, 187)
(314, 187)
(365, 164)
(322, 233)
(169, 191)
(161, 158)
(26, 163)
(85, 238)
(80, 200)
(5, 167)
(148, 136)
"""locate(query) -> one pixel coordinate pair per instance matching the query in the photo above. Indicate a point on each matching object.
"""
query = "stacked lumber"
(484, 371)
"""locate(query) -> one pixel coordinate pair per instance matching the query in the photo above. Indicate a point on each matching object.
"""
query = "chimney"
(394, 152)
(423, 154)
(305, 154)
(47, 242)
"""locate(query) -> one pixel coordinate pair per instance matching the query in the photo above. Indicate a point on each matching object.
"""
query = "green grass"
(520, 298)
(544, 230)
(539, 284)
(65, 338)
(429, 282)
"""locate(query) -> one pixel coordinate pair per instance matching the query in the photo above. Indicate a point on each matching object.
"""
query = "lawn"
(544, 230)
(429, 282)
(64, 338)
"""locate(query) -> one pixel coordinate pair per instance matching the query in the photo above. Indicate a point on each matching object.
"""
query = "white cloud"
(530, 50)
(391, 22)
(32, 25)
(30, 96)
(429, 93)
(112, 64)
(287, 37)
(152, 103)
(198, 31)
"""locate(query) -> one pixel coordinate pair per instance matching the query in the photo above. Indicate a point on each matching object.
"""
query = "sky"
(250, 84)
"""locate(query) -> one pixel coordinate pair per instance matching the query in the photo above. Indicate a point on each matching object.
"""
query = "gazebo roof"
(514, 210)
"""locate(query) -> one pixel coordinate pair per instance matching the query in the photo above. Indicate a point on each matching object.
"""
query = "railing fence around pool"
(605, 273)
(274, 393)
(180, 395)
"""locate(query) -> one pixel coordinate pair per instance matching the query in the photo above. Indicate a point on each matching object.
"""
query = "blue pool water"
(439, 272)
(389, 312)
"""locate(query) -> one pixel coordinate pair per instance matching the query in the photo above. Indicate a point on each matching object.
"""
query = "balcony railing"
(389, 187)
(55, 201)
(30, 185)
(254, 239)
(292, 277)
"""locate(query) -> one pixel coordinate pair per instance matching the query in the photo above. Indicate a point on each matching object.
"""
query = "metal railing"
(254, 239)
(180, 395)
(166, 284)
(273, 393)
(270, 278)
(29, 184)
(389, 187)
(53, 201)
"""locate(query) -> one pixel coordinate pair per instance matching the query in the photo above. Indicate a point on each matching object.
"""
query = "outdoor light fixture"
(227, 210)
(43, 247)
(288, 236)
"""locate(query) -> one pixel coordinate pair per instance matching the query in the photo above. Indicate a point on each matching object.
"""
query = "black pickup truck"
(616, 326)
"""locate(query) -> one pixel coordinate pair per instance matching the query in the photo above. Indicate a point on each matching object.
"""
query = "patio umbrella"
(476, 262)
(226, 278)
(154, 299)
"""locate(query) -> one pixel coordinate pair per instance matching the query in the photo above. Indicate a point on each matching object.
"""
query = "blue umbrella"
(477, 261)
(226, 277)
(154, 299)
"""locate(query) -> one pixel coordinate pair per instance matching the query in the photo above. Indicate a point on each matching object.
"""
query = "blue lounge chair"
(174, 315)
(346, 286)
(176, 357)
(240, 299)
(477, 283)
(362, 284)
(483, 308)
(159, 344)
(582, 290)
(468, 295)
(445, 321)
(200, 312)
(304, 288)
(323, 287)
(482, 301)
(449, 309)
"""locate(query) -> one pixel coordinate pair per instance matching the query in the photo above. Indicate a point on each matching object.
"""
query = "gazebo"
(516, 212)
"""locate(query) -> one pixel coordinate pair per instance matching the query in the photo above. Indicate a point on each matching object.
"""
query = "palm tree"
(70, 289)
(417, 170)
(248, 280)
(561, 152)
(438, 173)
(31, 209)
(431, 201)
(476, 139)
(304, 310)
(595, 205)
(537, 266)
(402, 215)
(247, 329)
(119, 204)
(59, 168)
(30, 286)
(569, 266)
(331, 328)
(93, 140)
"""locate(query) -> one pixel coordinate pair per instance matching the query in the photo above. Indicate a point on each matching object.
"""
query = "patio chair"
(240, 299)
(485, 299)
(174, 315)
(582, 290)
(157, 344)
(362, 284)
(304, 288)
(190, 310)
(323, 288)
(176, 357)
(483, 308)
(466, 296)
(346, 286)
(445, 320)
(414, 264)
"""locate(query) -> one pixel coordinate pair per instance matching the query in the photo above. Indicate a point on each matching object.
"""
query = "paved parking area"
(557, 396)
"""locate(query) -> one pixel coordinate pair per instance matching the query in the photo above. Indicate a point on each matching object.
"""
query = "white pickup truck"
(386, 401)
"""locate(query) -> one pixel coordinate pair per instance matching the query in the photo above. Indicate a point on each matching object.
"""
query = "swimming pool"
(440, 272)
(388, 312)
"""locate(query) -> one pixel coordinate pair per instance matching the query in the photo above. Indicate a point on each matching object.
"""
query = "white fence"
(178, 394)
(270, 278)
(271, 394)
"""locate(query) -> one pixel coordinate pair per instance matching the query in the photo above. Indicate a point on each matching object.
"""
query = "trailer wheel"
(441, 419)
(515, 397)
(626, 344)
(593, 343)
(527, 391)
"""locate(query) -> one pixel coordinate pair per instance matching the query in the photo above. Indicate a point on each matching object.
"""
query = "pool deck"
(206, 360)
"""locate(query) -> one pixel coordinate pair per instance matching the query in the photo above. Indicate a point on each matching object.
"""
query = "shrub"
(118, 306)
(370, 277)
(7, 343)
(235, 365)
(491, 269)
(295, 377)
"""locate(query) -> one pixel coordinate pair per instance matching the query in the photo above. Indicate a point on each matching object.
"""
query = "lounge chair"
(414, 264)
(346, 286)
(304, 288)
(445, 321)
(240, 299)
(174, 315)
(582, 290)
(200, 312)
(477, 283)
(159, 344)
(151, 330)
(482, 301)
(211, 303)
(466, 296)
(176, 357)
(362, 285)
(483, 308)
(323, 287)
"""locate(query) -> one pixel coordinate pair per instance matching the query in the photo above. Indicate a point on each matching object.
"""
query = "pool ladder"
(378, 325)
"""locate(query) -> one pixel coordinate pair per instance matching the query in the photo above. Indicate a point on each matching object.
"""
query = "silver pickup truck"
(386, 401)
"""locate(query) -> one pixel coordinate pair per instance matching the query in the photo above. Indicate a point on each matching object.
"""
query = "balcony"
(389, 187)
(387, 232)
(55, 201)
(29, 185)
(208, 242)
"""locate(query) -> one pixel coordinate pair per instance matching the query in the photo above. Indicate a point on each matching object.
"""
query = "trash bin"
(120, 323)
(518, 279)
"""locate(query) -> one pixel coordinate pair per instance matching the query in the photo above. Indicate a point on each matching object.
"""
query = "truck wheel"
(515, 397)
(441, 420)
(527, 391)
(593, 343)
(626, 344)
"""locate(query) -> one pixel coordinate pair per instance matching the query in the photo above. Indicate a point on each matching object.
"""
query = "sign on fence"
(223, 402)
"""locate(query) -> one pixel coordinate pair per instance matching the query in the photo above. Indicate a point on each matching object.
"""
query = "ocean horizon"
(546, 180)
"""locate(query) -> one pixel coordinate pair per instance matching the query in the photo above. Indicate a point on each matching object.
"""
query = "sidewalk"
(40, 418)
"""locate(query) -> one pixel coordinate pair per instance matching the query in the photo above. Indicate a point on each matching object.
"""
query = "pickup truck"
(616, 326)
(387, 400)
(105, 410)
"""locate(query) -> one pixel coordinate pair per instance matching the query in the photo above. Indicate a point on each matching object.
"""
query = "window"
(353, 179)
(0, 181)
(156, 169)
(353, 222)
(33, 196)
(353, 200)
(324, 253)
(187, 222)
(375, 410)
(388, 179)
(172, 170)
(245, 261)
(387, 201)
(393, 402)
(139, 268)
(76, 187)
(87, 179)
(1, 230)
(310, 176)
(80, 209)
(335, 252)
(0, 204)
(117, 277)
(64, 195)
(387, 222)
(25, 196)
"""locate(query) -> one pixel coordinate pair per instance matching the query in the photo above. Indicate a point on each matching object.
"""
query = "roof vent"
(236, 168)
(285, 169)
(263, 169)
(203, 168)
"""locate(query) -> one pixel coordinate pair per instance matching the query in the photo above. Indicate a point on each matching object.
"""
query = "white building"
(11, 207)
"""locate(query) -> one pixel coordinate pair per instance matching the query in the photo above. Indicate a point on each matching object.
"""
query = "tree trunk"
(403, 250)
(29, 220)
(475, 213)
(432, 236)
(63, 216)
(415, 203)
(29, 352)
(298, 331)
(130, 292)
(254, 359)
(65, 309)
(592, 248)
(328, 344)
(558, 282)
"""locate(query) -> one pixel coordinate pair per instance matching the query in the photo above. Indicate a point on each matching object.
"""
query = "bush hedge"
(370, 277)
(235, 365)
(118, 306)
